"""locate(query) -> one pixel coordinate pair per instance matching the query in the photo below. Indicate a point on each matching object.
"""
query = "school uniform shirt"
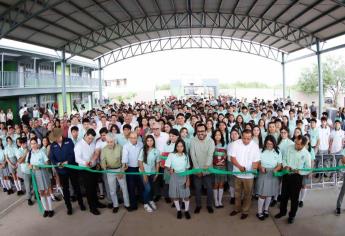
(245, 156)
(314, 136)
(338, 137)
(121, 139)
(270, 159)
(2, 156)
(219, 155)
(152, 159)
(38, 157)
(284, 144)
(297, 159)
(10, 152)
(186, 125)
(324, 134)
(312, 154)
(130, 154)
(23, 166)
(292, 126)
(84, 152)
(161, 140)
(177, 163)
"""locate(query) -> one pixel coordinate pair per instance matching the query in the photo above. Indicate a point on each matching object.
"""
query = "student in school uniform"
(219, 162)
(178, 162)
(10, 153)
(38, 157)
(306, 178)
(149, 162)
(4, 172)
(267, 184)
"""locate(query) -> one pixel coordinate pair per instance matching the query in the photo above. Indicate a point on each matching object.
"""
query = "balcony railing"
(9, 79)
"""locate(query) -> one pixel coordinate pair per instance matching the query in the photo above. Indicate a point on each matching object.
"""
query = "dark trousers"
(134, 182)
(90, 182)
(205, 181)
(73, 176)
(158, 184)
(291, 187)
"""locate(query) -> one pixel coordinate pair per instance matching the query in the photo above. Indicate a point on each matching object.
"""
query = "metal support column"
(63, 75)
(284, 78)
(100, 81)
(2, 69)
(320, 77)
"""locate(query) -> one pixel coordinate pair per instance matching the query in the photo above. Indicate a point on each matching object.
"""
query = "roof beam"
(231, 13)
(246, 14)
(329, 25)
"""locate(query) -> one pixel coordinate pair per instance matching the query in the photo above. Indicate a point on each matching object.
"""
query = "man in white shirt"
(245, 155)
(336, 138)
(84, 156)
(129, 120)
(130, 155)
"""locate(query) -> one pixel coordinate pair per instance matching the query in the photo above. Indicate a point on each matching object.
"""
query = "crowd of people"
(162, 140)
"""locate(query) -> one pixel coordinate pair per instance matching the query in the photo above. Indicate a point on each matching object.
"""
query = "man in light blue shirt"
(130, 156)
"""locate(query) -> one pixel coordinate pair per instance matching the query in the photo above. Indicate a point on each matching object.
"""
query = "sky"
(146, 71)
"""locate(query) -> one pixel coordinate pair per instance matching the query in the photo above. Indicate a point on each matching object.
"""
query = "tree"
(333, 71)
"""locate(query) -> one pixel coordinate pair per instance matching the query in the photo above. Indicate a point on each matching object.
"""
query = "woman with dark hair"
(240, 123)
(10, 153)
(209, 127)
(267, 184)
(144, 127)
(219, 162)
(149, 162)
(178, 162)
(257, 137)
(224, 129)
(114, 129)
(4, 172)
(296, 133)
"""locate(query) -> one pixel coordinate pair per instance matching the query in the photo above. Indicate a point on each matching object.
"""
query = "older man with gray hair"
(111, 156)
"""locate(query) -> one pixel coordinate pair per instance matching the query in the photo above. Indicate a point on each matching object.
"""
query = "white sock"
(232, 192)
(260, 205)
(276, 197)
(19, 185)
(215, 196)
(3, 183)
(100, 186)
(44, 203)
(267, 203)
(302, 194)
(177, 205)
(49, 200)
(9, 186)
(52, 197)
(220, 196)
(16, 184)
(186, 205)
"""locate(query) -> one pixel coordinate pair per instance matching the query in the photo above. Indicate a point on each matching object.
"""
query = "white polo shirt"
(245, 156)
(161, 141)
(324, 134)
(338, 138)
(84, 152)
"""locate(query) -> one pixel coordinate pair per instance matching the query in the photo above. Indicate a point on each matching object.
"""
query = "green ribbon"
(211, 170)
(312, 170)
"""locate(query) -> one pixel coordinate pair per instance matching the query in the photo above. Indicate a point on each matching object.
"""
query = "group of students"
(161, 141)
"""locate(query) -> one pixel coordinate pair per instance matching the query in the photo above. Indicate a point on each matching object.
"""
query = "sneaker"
(187, 215)
(260, 216)
(147, 208)
(300, 204)
(337, 212)
(179, 215)
(153, 205)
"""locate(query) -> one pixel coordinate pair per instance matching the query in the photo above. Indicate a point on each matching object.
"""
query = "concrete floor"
(315, 218)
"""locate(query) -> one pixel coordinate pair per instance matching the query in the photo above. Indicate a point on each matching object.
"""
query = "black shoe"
(279, 215)
(173, 205)
(57, 199)
(244, 216)
(187, 215)
(220, 206)
(95, 212)
(45, 214)
(197, 210)
(115, 209)
(110, 205)
(266, 214)
(232, 201)
(233, 213)
(157, 198)
(130, 209)
(73, 198)
(279, 198)
(210, 209)
(260, 216)
(300, 204)
(51, 213)
(82, 207)
(18, 193)
(291, 220)
(337, 212)
(167, 200)
(273, 203)
(179, 215)
(69, 211)
(100, 205)
(30, 203)
(5, 190)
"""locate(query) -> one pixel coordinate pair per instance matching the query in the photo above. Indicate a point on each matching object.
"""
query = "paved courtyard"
(315, 218)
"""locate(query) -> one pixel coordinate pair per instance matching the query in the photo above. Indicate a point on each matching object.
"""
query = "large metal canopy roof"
(91, 28)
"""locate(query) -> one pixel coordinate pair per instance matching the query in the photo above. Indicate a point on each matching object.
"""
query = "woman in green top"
(149, 162)
(306, 178)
